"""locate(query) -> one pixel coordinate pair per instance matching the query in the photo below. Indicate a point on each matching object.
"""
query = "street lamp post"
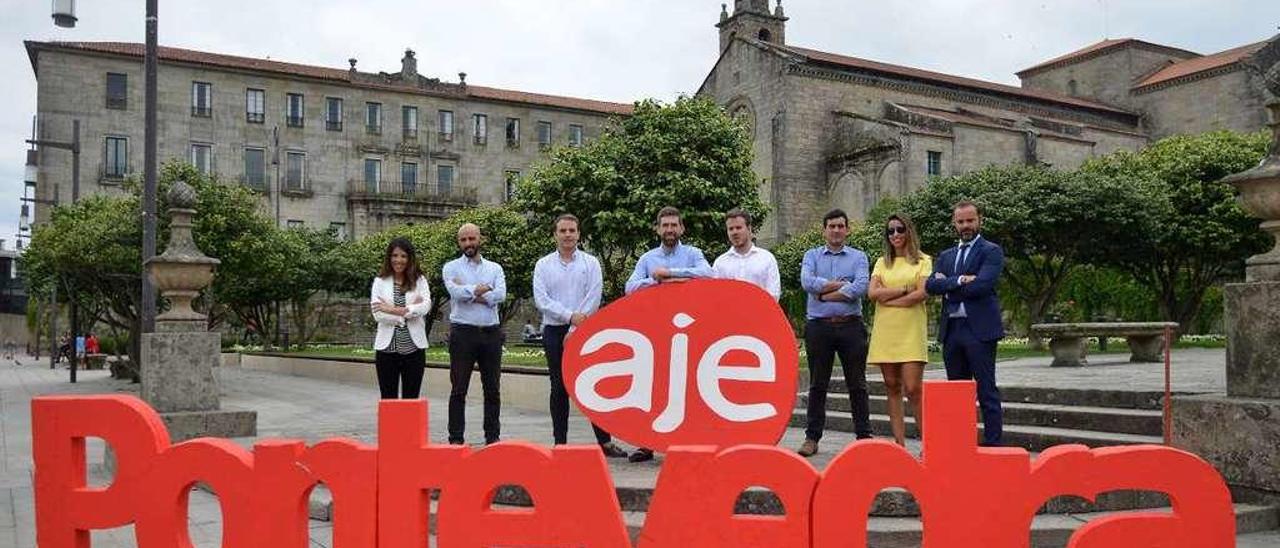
(64, 15)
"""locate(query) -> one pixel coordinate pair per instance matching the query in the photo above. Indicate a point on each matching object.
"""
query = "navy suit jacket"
(981, 305)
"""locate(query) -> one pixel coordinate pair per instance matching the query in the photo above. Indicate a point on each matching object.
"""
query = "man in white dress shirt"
(567, 284)
(746, 261)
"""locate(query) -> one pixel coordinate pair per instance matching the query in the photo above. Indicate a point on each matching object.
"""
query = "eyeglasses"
(895, 230)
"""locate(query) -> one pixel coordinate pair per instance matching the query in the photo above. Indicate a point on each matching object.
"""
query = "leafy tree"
(1048, 222)
(1202, 236)
(688, 154)
(509, 240)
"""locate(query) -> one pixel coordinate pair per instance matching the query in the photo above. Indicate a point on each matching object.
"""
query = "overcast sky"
(604, 49)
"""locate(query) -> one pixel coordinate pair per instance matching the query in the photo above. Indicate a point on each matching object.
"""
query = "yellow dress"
(900, 334)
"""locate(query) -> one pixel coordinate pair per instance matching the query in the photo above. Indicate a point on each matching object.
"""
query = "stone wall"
(1232, 100)
(1105, 78)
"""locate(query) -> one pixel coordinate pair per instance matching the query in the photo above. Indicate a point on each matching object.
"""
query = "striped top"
(401, 342)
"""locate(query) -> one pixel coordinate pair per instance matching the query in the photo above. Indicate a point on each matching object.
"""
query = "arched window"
(764, 35)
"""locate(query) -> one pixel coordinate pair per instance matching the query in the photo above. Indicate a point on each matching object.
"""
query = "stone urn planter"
(1260, 196)
(182, 271)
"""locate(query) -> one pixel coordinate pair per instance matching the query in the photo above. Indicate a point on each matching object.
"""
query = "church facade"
(831, 130)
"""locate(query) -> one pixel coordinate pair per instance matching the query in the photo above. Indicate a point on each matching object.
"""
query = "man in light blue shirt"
(476, 287)
(671, 262)
(835, 277)
(567, 285)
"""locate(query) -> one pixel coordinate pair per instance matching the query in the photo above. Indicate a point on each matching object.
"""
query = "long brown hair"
(411, 270)
(911, 243)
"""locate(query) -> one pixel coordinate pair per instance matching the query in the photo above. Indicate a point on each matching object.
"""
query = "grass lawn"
(533, 356)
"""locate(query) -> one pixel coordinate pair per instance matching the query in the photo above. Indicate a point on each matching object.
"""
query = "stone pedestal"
(180, 381)
(1253, 340)
(1239, 436)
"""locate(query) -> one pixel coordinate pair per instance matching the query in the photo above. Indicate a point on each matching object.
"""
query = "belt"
(840, 319)
(469, 327)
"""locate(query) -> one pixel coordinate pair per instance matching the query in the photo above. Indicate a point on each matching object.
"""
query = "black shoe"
(612, 451)
(492, 441)
(990, 444)
(456, 442)
(641, 455)
(864, 436)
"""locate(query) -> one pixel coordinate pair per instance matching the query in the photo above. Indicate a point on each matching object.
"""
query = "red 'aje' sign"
(707, 362)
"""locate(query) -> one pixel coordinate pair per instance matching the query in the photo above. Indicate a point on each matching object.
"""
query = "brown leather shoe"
(808, 449)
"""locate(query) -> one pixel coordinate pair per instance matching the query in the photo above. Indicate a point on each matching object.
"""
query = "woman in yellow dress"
(899, 336)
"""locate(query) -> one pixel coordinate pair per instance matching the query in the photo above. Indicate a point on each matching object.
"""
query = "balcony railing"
(255, 117)
(412, 191)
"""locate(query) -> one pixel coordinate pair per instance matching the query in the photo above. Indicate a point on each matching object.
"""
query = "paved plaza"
(314, 409)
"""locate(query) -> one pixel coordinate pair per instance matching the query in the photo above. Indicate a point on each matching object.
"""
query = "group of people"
(76, 348)
(568, 284)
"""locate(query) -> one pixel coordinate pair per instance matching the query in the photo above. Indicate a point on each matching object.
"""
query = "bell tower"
(751, 19)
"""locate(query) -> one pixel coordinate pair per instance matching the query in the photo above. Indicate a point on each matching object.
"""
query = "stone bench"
(1067, 340)
(95, 361)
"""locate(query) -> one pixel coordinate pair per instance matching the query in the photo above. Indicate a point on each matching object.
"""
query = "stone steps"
(1102, 419)
(1031, 438)
(1047, 531)
(1087, 397)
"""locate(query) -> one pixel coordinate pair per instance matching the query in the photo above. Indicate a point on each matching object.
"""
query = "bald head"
(469, 239)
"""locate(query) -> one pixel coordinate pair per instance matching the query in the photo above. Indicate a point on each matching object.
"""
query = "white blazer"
(418, 301)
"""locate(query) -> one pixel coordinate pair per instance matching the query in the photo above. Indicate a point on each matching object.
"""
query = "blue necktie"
(961, 256)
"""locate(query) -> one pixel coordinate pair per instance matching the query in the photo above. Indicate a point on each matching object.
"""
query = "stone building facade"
(837, 131)
(357, 151)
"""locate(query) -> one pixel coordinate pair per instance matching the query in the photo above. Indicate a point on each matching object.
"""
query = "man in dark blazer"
(966, 276)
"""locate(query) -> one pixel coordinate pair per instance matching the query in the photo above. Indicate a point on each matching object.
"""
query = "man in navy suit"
(966, 276)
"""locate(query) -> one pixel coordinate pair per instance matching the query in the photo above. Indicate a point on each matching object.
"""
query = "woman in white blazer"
(400, 299)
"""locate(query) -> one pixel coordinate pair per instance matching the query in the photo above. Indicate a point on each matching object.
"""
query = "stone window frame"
(417, 176)
(509, 179)
(330, 124)
(409, 131)
(339, 230)
(933, 163)
(260, 115)
(480, 128)
(302, 175)
(201, 110)
(123, 166)
(545, 129)
(442, 187)
(445, 125)
(372, 110)
(300, 120)
(378, 176)
(245, 178)
(121, 101)
(513, 132)
(209, 169)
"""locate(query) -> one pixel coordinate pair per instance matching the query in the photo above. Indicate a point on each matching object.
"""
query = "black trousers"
(823, 341)
(400, 375)
(553, 343)
(470, 347)
(968, 358)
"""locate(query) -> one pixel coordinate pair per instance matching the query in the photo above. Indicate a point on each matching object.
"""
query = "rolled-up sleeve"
(809, 280)
(458, 292)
